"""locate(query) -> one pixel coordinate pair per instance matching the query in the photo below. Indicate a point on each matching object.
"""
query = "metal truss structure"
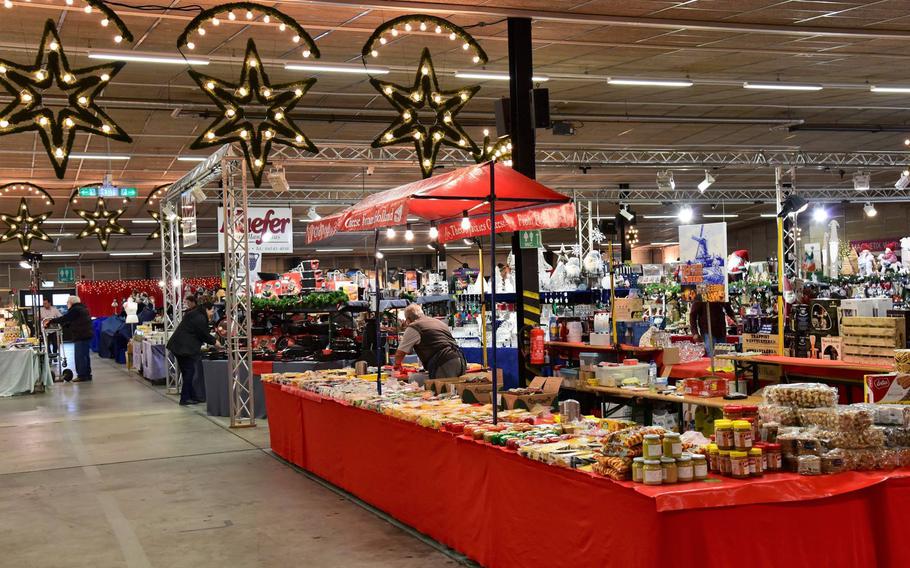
(227, 167)
(172, 289)
(750, 159)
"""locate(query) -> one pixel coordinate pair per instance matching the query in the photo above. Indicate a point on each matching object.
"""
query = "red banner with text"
(548, 217)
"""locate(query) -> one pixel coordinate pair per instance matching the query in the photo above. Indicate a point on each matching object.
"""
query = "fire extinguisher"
(537, 346)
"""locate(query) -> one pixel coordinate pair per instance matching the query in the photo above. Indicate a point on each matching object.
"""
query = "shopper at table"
(432, 340)
(48, 312)
(186, 345)
(698, 322)
(79, 321)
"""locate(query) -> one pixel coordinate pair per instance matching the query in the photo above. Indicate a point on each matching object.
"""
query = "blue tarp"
(506, 359)
(96, 339)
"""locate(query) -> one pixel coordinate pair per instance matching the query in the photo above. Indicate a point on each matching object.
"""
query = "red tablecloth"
(698, 369)
(507, 511)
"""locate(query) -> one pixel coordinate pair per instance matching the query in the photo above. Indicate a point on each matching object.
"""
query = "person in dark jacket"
(79, 321)
(186, 346)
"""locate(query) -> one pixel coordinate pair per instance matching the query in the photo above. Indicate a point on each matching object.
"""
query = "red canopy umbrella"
(481, 193)
(521, 204)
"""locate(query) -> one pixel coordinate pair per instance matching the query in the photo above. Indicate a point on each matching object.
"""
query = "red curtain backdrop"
(98, 295)
(506, 511)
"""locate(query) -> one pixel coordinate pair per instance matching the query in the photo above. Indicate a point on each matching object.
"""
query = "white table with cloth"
(23, 371)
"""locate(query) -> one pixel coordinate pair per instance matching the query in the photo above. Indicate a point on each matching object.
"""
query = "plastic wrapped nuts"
(803, 395)
(809, 465)
(871, 437)
(888, 414)
(782, 415)
(837, 417)
(896, 436)
(833, 461)
(825, 417)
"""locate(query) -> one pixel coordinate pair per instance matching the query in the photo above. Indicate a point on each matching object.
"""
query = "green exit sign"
(66, 275)
(88, 192)
(529, 239)
(130, 192)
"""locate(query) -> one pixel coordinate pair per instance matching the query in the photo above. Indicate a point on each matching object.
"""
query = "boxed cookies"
(802, 395)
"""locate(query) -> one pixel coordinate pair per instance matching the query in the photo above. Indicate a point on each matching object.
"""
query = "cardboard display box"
(443, 386)
(671, 356)
(887, 388)
(823, 317)
(627, 309)
(549, 386)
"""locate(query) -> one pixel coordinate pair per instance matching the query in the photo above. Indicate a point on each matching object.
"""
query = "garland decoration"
(102, 223)
(283, 22)
(26, 112)
(313, 300)
(37, 190)
(233, 125)
(408, 101)
(423, 24)
(24, 226)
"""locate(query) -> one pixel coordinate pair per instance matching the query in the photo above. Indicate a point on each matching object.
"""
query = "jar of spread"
(669, 471)
(742, 435)
(739, 464)
(733, 412)
(723, 434)
(756, 467)
(750, 413)
(685, 468)
(775, 457)
(652, 473)
(723, 462)
(764, 454)
(769, 432)
(700, 466)
(651, 448)
(638, 465)
(712, 458)
(672, 445)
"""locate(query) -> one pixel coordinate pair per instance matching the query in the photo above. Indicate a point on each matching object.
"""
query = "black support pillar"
(521, 67)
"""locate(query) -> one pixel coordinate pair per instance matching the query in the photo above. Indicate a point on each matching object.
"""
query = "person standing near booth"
(433, 342)
(48, 312)
(186, 345)
(79, 321)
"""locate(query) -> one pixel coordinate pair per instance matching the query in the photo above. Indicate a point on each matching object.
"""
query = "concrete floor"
(114, 473)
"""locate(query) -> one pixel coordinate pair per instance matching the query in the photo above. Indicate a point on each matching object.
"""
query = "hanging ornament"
(102, 223)
(233, 125)
(28, 83)
(425, 93)
(244, 13)
(24, 226)
(499, 150)
(426, 24)
(156, 193)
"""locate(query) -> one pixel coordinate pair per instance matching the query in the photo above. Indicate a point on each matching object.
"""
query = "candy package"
(803, 395)
(782, 415)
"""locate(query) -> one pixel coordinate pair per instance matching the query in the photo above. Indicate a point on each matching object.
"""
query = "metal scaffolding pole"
(237, 296)
(172, 290)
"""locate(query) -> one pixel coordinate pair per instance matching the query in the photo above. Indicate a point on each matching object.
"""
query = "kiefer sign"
(270, 229)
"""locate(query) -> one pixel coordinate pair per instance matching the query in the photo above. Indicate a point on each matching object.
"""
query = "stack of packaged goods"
(650, 455)
(816, 436)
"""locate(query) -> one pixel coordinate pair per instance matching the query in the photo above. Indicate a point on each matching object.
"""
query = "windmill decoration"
(235, 122)
(425, 94)
(101, 223)
(27, 85)
(24, 226)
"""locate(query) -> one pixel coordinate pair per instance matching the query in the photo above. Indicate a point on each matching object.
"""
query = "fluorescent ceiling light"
(667, 244)
(201, 252)
(457, 248)
(335, 250)
(192, 158)
(137, 253)
(121, 157)
(144, 221)
(60, 254)
(170, 59)
(889, 89)
(495, 76)
(720, 215)
(783, 86)
(66, 221)
(769, 215)
(635, 82)
(61, 235)
(338, 68)
(659, 216)
(391, 249)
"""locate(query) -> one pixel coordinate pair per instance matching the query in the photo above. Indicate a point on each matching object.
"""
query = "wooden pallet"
(760, 342)
(872, 336)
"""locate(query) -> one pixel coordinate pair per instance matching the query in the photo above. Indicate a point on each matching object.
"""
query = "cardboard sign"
(270, 229)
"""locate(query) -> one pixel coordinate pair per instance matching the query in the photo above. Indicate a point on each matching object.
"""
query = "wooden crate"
(877, 334)
(760, 342)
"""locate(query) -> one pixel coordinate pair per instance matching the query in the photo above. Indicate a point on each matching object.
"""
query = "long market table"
(849, 375)
(23, 370)
(506, 511)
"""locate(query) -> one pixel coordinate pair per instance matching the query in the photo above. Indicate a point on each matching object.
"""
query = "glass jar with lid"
(699, 467)
(652, 472)
(742, 435)
(723, 434)
(670, 473)
(651, 448)
(672, 445)
(739, 465)
(685, 468)
(638, 465)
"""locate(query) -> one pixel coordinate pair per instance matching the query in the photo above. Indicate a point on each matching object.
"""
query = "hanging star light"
(499, 150)
(409, 101)
(108, 17)
(28, 83)
(233, 124)
(154, 214)
(102, 223)
(24, 226)
(157, 232)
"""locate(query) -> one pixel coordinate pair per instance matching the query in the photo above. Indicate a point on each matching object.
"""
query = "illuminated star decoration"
(28, 83)
(101, 223)
(157, 232)
(499, 150)
(24, 226)
(233, 125)
(149, 201)
(408, 101)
